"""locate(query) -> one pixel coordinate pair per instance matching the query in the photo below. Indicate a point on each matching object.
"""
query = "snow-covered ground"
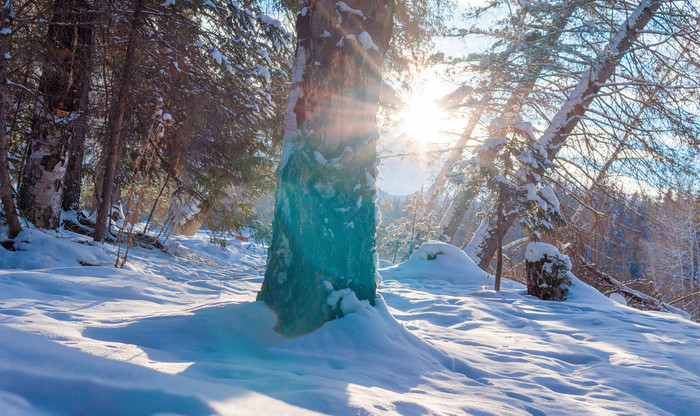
(180, 333)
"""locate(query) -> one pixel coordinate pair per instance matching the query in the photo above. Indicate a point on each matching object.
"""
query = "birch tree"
(62, 90)
(322, 260)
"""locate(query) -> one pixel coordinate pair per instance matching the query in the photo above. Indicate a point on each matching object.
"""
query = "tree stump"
(547, 272)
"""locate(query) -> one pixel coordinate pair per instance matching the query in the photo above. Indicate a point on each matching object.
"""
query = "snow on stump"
(548, 272)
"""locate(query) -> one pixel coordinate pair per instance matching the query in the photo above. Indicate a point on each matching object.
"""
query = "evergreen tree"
(397, 240)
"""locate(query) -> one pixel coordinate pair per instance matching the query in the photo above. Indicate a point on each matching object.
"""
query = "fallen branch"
(640, 300)
(690, 295)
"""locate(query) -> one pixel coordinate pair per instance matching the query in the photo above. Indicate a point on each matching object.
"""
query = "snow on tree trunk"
(322, 258)
(573, 110)
(185, 215)
(68, 44)
(8, 202)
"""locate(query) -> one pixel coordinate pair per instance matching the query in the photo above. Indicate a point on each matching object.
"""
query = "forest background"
(132, 121)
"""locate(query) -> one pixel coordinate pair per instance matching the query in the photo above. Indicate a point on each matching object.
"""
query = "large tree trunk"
(572, 111)
(322, 256)
(62, 87)
(6, 198)
(115, 126)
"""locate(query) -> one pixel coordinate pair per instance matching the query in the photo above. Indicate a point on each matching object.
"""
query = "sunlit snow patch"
(441, 261)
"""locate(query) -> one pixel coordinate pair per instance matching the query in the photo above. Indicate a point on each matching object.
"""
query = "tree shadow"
(235, 345)
(44, 375)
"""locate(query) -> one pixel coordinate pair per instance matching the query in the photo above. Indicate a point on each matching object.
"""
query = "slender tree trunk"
(6, 198)
(323, 256)
(499, 243)
(76, 148)
(438, 185)
(573, 110)
(155, 203)
(536, 65)
(62, 87)
(115, 125)
(449, 224)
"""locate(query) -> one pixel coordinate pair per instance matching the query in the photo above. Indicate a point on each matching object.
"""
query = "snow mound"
(440, 261)
(37, 249)
(618, 298)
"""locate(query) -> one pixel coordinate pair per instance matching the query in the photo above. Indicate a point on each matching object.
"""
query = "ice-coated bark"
(573, 110)
(62, 87)
(323, 246)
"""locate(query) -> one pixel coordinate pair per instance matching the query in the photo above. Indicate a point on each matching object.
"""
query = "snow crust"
(180, 333)
(36, 249)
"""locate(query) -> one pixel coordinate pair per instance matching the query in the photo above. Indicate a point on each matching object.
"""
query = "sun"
(423, 119)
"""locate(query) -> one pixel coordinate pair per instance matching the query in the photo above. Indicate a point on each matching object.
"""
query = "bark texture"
(6, 198)
(322, 257)
(63, 84)
(115, 126)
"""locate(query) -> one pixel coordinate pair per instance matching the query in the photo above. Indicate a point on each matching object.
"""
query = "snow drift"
(179, 333)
